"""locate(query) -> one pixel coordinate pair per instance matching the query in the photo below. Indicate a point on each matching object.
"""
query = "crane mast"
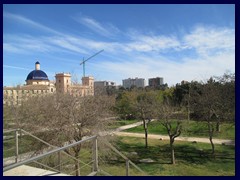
(83, 61)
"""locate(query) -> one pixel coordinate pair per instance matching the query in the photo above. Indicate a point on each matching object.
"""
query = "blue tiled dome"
(37, 75)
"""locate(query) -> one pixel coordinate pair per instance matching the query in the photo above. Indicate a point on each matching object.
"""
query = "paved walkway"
(25, 170)
(164, 137)
(128, 126)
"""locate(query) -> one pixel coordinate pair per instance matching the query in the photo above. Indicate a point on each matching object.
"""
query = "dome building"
(37, 76)
(37, 83)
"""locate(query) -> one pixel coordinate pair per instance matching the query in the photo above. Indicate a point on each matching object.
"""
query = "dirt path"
(164, 137)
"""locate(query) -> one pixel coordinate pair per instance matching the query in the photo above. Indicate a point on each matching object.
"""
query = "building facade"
(137, 82)
(84, 89)
(37, 83)
(102, 87)
(184, 82)
(63, 82)
(155, 82)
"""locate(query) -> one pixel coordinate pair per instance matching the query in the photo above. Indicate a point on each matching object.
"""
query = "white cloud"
(27, 21)
(16, 67)
(9, 47)
(63, 42)
(207, 40)
(173, 72)
(153, 43)
(90, 44)
(107, 29)
(215, 49)
(26, 44)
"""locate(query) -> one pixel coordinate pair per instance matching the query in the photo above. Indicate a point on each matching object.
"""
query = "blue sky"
(176, 42)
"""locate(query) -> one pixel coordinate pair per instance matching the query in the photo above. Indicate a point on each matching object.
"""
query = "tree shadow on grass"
(159, 154)
(189, 153)
(186, 153)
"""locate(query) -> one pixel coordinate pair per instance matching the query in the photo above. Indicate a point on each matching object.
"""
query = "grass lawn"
(190, 129)
(191, 159)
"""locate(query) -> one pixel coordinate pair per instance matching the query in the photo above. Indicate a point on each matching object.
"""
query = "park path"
(165, 137)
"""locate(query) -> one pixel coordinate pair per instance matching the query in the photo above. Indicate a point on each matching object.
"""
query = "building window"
(59, 81)
(51, 89)
(67, 80)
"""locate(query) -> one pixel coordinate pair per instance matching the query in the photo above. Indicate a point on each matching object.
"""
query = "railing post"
(95, 155)
(20, 133)
(127, 167)
(16, 145)
(59, 161)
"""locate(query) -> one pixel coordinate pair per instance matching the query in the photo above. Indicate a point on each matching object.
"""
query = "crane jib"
(91, 57)
(83, 62)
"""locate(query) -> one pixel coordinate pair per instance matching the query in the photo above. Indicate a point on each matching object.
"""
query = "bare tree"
(226, 92)
(165, 115)
(143, 106)
(65, 118)
(206, 104)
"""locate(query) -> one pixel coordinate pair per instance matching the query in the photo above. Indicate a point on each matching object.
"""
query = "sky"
(177, 42)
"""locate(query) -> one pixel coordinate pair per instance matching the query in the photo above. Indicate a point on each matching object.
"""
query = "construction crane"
(83, 62)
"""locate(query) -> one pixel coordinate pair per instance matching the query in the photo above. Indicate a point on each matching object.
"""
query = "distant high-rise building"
(155, 82)
(137, 82)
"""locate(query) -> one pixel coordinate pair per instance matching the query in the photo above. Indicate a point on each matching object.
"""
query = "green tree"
(124, 104)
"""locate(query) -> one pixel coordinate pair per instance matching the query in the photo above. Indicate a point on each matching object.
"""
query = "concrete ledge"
(25, 170)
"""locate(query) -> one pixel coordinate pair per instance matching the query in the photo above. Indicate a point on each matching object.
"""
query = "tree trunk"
(188, 106)
(218, 126)
(146, 138)
(77, 167)
(172, 151)
(213, 149)
(146, 133)
(210, 131)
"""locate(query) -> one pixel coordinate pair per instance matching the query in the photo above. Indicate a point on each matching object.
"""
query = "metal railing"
(49, 153)
(59, 150)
